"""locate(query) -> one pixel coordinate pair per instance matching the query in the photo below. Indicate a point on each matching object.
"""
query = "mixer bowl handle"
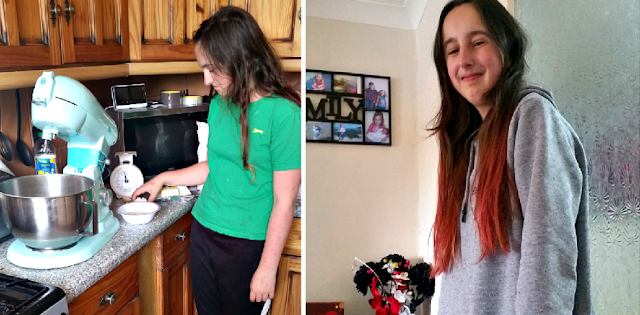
(94, 214)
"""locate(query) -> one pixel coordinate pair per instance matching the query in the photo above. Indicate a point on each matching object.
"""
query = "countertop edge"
(76, 279)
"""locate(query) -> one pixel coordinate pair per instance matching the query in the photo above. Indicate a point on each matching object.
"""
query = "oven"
(25, 297)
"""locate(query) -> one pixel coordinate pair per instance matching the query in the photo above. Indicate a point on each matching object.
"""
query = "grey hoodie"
(547, 270)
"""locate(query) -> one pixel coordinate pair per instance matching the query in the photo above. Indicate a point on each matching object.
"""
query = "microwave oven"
(164, 138)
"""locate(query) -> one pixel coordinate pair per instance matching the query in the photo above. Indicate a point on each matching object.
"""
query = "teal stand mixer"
(63, 107)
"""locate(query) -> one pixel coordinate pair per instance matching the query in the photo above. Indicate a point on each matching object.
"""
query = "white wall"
(428, 151)
(361, 200)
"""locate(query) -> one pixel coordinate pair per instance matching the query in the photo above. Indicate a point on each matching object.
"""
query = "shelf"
(24, 79)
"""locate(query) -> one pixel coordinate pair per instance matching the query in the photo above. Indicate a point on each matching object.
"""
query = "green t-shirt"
(230, 204)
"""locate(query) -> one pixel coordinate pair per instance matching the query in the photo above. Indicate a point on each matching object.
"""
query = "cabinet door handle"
(69, 10)
(110, 297)
(54, 10)
(181, 236)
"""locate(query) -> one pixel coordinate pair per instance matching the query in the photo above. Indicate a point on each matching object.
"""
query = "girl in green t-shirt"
(251, 178)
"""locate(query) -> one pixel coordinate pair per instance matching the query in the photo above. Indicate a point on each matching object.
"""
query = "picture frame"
(318, 81)
(319, 131)
(348, 108)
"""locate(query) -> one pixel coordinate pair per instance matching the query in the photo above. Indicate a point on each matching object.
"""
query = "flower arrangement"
(397, 287)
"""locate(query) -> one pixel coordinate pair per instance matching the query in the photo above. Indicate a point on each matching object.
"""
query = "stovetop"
(22, 296)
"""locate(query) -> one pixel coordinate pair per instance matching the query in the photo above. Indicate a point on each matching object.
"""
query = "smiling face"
(474, 61)
(378, 120)
(212, 76)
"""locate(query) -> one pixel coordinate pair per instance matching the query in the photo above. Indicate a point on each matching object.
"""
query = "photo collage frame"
(348, 108)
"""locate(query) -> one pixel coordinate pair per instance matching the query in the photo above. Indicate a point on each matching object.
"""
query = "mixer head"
(64, 107)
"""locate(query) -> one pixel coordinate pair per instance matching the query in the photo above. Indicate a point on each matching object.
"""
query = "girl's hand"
(152, 187)
(263, 285)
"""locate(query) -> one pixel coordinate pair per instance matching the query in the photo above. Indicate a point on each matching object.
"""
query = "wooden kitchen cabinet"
(279, 21)
(27, 36)
(165, 281)
(163, 29)
(288, 287)
(133, 308)
(287, 299)
(97, 32)
(36, 33)
(115, 293)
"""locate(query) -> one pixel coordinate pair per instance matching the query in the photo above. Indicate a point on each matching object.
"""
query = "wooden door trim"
(179, 265)
(135, 29)
(287, 266)
(23, 79)
(293, 245)
(24, 56)
(68, 52)
(11, 15)
(97, 26)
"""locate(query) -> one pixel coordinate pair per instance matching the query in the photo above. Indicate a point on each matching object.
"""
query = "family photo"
(346, 132)
(318, 130)
(376, 93)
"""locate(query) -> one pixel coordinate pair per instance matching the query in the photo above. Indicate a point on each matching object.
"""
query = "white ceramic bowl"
(138, 212)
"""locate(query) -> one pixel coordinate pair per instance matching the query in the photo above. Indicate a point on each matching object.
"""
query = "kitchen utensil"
(23, 150)
(5, 174)
(138, 212)
(265, 307)
(126, 178)
(5, 170)
(5, 148)
(51, 211)
(170, 98)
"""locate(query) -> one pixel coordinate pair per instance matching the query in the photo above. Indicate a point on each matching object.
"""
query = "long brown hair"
(458, 123)
(235, 45)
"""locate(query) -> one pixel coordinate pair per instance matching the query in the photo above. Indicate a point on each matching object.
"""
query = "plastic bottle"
(45, 157)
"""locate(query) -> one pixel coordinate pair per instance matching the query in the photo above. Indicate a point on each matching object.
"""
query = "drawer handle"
(181, 236)
(110, 297)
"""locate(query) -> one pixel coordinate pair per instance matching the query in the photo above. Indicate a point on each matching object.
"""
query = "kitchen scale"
(126, 177)
(65, 108)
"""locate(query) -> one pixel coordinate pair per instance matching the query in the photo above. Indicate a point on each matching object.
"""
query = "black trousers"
(221, 270)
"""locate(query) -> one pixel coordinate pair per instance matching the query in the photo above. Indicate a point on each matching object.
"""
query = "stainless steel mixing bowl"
(51, 211)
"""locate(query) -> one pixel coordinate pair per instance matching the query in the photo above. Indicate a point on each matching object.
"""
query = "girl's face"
(377, 120)
(318, 77)
(474, 61)
(381, 93)
(212, 76)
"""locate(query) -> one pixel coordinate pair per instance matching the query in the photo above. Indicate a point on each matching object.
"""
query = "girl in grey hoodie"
(511, 229)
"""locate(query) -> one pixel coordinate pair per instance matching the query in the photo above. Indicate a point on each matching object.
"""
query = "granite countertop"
(76, 279)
